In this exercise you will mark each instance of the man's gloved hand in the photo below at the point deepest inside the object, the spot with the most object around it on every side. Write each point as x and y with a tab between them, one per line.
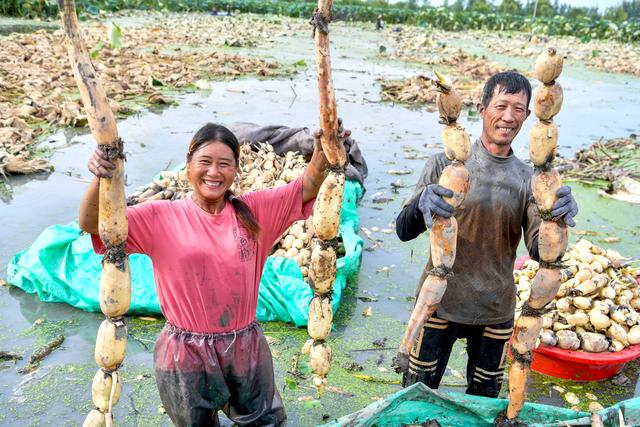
565	207
432	202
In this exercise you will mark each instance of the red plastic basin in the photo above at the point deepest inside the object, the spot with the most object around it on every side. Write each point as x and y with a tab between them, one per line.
580	365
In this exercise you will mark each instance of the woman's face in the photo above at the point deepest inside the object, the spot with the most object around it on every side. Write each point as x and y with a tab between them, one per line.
211	171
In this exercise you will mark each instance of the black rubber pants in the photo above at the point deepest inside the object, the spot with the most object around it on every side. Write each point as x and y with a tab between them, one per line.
486	347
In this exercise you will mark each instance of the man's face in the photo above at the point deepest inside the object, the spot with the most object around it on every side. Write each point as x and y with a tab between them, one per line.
503	117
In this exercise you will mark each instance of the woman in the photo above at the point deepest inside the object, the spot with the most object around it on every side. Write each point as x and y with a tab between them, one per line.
208	252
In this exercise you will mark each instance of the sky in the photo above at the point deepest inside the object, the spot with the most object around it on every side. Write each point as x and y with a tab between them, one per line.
601	4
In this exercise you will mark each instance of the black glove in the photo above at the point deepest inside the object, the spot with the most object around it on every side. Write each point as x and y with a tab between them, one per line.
431	202
565	207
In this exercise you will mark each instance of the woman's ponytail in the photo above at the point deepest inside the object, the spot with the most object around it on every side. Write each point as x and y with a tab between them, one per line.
244	213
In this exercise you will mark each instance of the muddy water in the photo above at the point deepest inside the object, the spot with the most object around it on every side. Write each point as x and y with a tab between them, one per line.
595	106
17	25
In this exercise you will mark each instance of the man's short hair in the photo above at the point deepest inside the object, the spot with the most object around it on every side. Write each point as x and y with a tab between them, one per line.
509	82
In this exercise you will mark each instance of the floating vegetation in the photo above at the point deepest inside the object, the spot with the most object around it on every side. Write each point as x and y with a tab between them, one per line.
136	65
612	165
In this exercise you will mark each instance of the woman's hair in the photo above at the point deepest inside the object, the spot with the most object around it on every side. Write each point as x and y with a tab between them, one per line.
212	132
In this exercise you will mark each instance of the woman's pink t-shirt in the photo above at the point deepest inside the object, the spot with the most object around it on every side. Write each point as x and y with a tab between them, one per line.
206	266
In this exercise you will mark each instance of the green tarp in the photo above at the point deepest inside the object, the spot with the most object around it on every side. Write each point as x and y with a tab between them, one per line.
60	266
418	403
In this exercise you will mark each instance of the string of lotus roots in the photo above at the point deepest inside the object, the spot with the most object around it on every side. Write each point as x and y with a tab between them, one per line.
115	280
444	232
326	210
553	235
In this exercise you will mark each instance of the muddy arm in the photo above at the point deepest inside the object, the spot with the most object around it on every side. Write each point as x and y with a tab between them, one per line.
101	167
315	172
89	208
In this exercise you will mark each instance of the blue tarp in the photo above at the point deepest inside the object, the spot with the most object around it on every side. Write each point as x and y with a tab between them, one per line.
418	403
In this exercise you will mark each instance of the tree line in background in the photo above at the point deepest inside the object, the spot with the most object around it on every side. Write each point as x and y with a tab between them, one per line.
544	8
551	18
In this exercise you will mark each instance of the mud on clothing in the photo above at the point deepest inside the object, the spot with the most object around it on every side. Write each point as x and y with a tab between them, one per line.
495	214
206	266
199	374
207	269
486	348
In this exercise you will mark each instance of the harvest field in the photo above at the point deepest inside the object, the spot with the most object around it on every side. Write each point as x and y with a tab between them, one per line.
169	73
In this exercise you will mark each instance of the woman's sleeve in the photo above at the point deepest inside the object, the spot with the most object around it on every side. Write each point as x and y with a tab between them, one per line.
277	208
141	223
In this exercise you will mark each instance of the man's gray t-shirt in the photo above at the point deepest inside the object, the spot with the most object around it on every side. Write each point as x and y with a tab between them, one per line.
493	217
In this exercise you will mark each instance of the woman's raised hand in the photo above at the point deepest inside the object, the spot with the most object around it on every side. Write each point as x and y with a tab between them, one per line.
100	165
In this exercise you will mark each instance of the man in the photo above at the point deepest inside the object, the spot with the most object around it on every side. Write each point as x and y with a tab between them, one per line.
480	298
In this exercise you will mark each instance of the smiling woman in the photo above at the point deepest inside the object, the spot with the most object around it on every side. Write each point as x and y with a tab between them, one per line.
208	252
211	168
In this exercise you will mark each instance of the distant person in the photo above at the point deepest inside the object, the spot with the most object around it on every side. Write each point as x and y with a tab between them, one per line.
215	12
534	39
496	214
379	23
